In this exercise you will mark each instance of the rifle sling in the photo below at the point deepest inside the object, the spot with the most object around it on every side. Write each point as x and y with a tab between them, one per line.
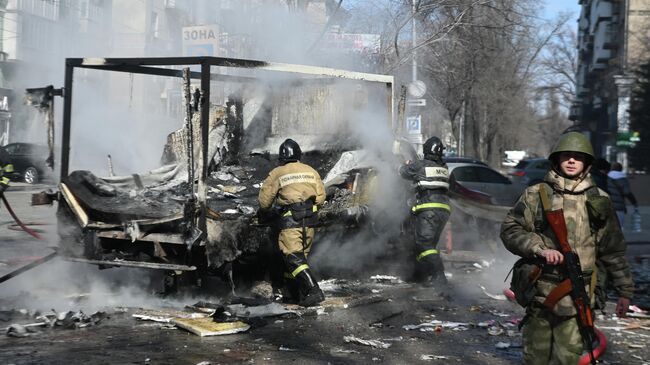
565	286
555	219
560	291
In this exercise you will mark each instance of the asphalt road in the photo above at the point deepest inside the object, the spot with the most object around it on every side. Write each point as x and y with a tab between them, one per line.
311	339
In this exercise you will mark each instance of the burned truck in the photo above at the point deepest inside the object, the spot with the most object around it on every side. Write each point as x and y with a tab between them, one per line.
196	214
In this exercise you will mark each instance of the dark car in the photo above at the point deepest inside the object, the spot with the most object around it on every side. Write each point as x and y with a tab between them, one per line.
480	182
530	171
28	160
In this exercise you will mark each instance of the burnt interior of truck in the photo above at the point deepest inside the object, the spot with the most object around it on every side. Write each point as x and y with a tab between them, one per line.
196	214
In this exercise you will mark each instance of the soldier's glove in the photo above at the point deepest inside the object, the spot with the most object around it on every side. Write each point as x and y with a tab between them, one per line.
621	307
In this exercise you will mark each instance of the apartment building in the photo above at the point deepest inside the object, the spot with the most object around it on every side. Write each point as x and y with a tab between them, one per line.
612	39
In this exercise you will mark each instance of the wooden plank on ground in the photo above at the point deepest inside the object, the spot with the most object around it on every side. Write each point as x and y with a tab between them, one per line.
208	327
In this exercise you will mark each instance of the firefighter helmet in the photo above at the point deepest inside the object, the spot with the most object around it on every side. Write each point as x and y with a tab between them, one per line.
573	142
289	151
433	148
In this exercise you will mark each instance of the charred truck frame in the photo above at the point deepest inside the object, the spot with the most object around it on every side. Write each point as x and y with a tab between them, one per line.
134	221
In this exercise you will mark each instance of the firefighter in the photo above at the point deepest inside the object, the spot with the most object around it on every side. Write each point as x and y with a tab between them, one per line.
294	190
431	210
5	169
551	333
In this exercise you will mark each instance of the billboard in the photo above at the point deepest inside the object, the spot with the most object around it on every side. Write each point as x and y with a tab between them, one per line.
201	40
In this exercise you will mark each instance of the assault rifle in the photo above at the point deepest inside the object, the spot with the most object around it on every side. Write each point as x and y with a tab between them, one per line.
574	285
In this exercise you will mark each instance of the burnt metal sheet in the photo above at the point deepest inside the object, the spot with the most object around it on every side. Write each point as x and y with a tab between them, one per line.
151	237
141	264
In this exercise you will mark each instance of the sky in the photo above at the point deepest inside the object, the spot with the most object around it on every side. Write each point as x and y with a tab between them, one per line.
553	7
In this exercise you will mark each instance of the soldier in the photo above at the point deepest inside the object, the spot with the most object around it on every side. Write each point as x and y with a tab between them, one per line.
431	179
5	168
294	190
550	328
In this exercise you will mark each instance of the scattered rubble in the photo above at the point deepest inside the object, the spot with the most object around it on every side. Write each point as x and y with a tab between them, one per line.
437	326
373	343
433	357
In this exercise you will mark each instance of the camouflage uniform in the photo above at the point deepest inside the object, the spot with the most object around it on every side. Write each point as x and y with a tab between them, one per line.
553	335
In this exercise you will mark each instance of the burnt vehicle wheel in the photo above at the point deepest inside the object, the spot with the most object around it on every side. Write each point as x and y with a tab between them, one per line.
30	175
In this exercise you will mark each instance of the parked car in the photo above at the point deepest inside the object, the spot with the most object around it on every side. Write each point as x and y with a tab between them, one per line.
530	171
28	160
484	183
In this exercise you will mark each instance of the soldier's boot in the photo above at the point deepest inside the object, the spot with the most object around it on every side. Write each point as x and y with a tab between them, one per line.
310	293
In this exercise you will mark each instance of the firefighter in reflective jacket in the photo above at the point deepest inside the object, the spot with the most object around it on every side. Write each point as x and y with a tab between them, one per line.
294	190
431	179
5	169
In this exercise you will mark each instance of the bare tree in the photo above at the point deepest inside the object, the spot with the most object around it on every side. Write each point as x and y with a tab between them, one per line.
484	62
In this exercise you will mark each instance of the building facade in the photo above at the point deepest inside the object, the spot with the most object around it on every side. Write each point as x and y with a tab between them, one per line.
612	39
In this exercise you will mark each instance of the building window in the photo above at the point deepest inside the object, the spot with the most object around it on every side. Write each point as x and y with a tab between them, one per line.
83	9
155	25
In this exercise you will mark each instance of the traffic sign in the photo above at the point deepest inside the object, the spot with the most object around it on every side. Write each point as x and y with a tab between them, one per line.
416	102
414	124
417	89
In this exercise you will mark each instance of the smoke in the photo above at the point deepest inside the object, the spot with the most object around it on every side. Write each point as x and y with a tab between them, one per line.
63	286
127	116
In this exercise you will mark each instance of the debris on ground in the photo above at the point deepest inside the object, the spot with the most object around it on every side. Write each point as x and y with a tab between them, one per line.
165	315
502	345
268	310
436	325
386	279
373	343
70	320
284	348
493	296
208	327
433	357
17	330
343	351
495	331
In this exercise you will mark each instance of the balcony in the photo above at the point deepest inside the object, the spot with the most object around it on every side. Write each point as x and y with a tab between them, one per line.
610	37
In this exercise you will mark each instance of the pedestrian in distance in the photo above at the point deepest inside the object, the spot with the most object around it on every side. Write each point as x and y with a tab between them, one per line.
599	173
619	190
566	231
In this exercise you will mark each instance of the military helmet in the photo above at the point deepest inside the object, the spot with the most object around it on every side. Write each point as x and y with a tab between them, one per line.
433	147
573	142
289	151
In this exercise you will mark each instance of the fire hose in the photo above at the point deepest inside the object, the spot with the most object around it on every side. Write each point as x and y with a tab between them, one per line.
18	221
585	359
32	264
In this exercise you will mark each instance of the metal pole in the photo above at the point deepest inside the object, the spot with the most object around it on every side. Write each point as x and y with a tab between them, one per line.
190	129
414	35
67	112
204	103
461	131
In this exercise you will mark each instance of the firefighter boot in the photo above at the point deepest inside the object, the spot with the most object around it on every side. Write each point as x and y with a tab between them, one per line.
309	291
438	277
